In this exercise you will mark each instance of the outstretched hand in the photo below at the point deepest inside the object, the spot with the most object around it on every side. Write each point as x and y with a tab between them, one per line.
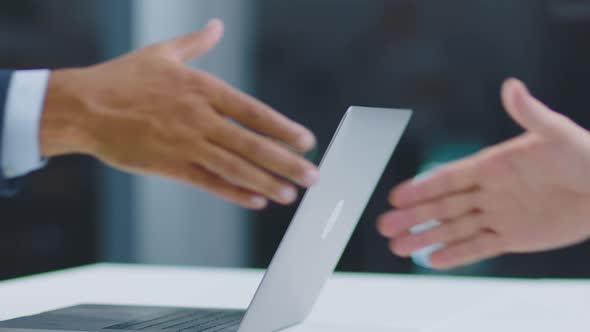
147	112
531	193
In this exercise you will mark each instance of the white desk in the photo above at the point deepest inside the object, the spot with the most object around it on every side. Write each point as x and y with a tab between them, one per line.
352	300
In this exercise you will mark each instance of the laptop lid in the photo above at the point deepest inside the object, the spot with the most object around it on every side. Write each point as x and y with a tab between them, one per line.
326	218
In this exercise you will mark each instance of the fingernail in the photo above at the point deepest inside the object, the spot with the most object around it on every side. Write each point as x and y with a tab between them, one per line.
288	195
209	25
310	177
423	257
383	227
306	142
212	22
258	202
425	226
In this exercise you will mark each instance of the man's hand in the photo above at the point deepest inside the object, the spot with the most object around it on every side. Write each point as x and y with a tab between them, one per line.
529	194
147	112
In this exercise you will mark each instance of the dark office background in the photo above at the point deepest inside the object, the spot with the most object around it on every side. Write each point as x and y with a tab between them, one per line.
314	58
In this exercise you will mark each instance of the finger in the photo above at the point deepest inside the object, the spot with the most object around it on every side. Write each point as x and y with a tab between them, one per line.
265	153
394	223
531	113
449	232
256	115
195	44
482	246
453	178
238	171
212	183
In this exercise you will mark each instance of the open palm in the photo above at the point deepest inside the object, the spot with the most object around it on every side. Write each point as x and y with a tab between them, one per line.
528	194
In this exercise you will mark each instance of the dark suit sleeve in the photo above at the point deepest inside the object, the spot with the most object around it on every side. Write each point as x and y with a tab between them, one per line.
8	187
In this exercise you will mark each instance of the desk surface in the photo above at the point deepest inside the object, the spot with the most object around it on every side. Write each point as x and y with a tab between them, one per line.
354	300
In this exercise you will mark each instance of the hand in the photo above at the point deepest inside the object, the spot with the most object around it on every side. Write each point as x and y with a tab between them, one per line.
147	112
529	194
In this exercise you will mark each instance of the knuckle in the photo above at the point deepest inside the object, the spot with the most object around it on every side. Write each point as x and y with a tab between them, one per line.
191	104
260	181
235	168
464	202
226	96
421	214
465	228
198	81
273	186
500	163
296	168
410	217
440	209
255	147
199	180
475	201
436	235
171	141
251	112
450	232
213	128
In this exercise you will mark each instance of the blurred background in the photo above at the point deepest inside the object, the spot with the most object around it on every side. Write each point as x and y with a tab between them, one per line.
310	59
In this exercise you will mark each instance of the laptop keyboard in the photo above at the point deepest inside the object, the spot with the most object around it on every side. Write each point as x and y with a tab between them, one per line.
187	320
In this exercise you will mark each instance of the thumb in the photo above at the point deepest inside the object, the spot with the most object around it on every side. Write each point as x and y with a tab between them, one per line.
197	43
530	113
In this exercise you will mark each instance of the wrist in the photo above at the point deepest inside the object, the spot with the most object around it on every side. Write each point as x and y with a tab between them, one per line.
63	120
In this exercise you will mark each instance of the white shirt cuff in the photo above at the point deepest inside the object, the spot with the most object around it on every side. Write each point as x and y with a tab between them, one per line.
22	117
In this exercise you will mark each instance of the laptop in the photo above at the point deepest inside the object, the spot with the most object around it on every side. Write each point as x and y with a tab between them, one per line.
303	263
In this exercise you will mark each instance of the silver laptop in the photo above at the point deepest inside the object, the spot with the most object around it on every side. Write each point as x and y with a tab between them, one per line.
304	261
